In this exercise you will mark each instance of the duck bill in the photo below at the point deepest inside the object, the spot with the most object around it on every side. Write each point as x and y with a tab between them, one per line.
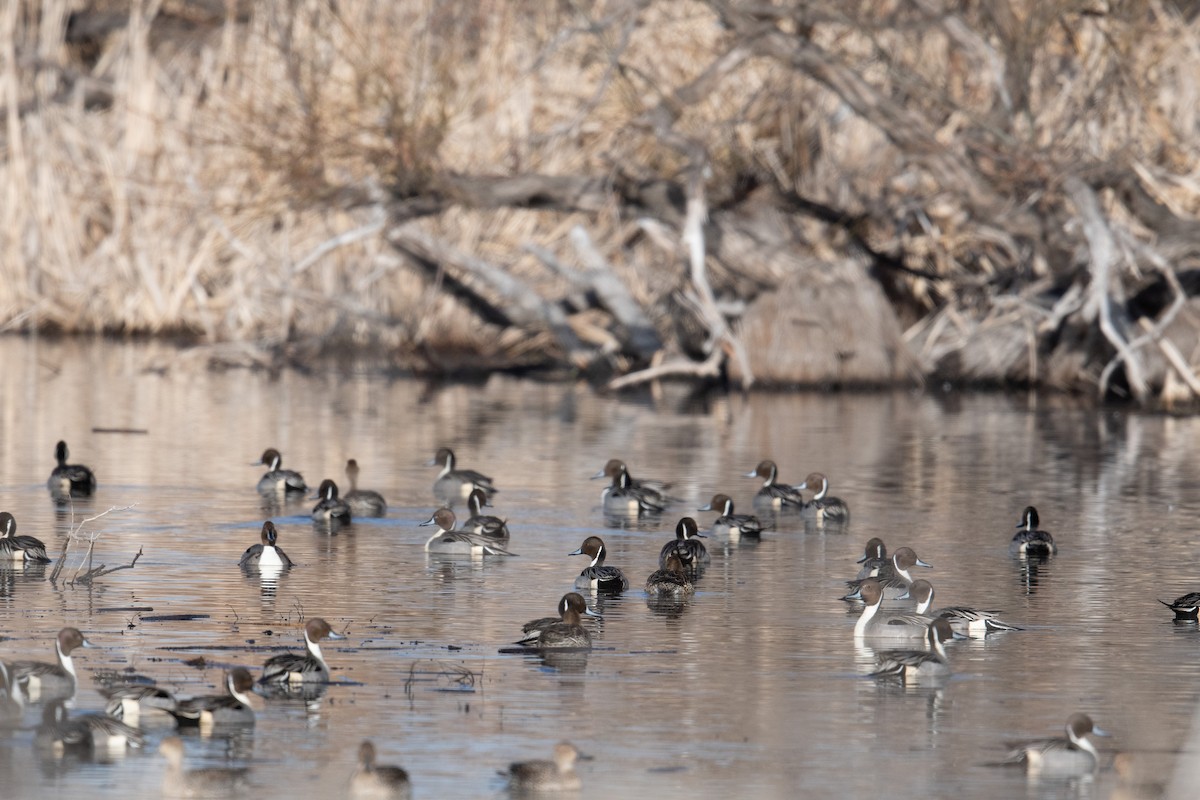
861	559
706	508
333	635
921	563
431	521
86	643
578	552
599	474
589	613
906	596
960	636
751	474
855	595
1100	731
698	535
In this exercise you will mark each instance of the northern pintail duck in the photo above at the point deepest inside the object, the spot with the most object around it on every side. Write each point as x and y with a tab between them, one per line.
670	581
217	710
330	508
654	490
19	548
61	733
372	781
734	525
686	546
278	480
137	703
773	494
267	554
822	507
623	497
308	666
893	627
912	666
205	782
39	680
1073	754
69	480
903	560
482	524
1186	607
571	609
1029	541
962	619
547	776
449	541
597	576
453	484
363	502
875	561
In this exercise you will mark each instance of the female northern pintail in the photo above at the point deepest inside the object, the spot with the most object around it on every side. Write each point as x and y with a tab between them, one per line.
60	733
686	546
372	781
330	508
822	507
1029	541
773	494
623	497
449	541
654	490
19	548
40	680
903	560
875	561
482	524
204	782
916	665
893	627
456	484
302	667
1186	607
735	525
547	776
137	703
961	618
596	576
278	480
1073	754
571	609
670	581
267	554
363	502
231	708
69	480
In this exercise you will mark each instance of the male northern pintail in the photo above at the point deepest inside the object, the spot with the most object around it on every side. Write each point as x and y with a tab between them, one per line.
278	480
686	546
735	525
137	703
670	581
481	524
204	782
19	548
571	609
773	494
267	554
875	561
450	541
216	710
1186	607
547	776
1029	541
363	502
903	560
916	665
39	680
69	480
1073	754
61	733
962	618
823	507
623	497
373	781
330	508
453	484
654	490
302	667
892	627
596	576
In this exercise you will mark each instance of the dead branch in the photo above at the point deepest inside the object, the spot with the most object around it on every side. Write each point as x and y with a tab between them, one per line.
708	368
86	578
640	336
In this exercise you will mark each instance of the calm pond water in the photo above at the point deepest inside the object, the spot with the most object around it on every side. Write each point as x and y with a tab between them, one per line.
753	688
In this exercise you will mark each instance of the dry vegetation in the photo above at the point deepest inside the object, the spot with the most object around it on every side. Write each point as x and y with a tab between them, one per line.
798	192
